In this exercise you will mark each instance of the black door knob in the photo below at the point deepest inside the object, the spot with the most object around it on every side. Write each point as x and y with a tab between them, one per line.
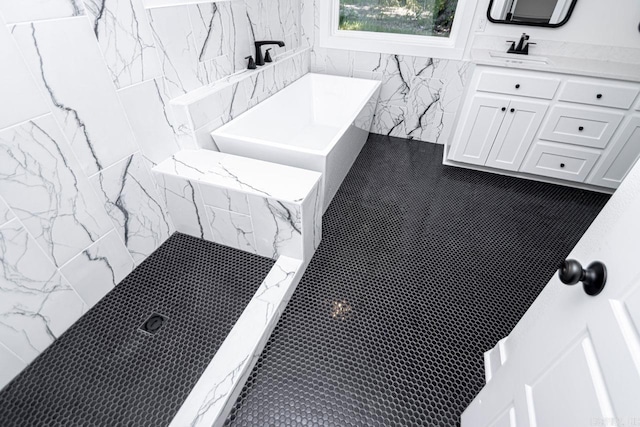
593	278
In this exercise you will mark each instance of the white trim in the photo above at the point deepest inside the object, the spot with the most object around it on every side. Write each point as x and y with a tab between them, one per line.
451	47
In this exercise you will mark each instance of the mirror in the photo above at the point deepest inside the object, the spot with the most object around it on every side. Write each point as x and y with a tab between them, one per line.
541	13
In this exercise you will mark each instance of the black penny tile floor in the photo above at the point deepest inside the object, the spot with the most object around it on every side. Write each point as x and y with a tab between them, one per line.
422	268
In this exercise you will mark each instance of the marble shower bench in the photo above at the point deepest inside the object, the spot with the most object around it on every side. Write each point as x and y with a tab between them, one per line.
258	207
255	206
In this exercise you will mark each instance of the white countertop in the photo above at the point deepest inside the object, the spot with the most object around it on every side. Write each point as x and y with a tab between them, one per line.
565	65
610	62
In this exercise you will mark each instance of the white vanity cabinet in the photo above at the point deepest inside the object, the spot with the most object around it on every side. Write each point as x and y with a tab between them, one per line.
555	126
499	131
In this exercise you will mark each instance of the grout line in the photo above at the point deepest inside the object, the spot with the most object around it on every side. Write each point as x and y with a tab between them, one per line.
14	354
22	123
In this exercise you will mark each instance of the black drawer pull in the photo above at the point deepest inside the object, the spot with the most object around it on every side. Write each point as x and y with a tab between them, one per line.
581	128
561	165
518	86
513	110
599	96
504	108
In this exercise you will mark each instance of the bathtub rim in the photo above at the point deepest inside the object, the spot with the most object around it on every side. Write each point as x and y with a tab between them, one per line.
221	131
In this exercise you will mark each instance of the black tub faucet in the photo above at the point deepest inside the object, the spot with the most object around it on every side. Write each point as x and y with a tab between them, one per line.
259	57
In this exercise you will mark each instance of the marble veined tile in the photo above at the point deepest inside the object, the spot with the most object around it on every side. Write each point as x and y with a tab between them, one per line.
11	365
178	52
123	32
275	20
137	210
184	201
212	25
231	229
68	66
277	227
240	44
152	120
225	198
16	84
41	180
5	213
37	303
99	268
34	10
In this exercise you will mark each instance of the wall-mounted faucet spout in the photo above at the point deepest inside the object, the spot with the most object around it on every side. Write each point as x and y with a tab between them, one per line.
259	57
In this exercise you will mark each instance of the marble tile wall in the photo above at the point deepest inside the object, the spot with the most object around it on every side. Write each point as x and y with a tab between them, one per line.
419	95
86	87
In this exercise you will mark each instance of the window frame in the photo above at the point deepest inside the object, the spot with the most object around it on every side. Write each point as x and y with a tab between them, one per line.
451	47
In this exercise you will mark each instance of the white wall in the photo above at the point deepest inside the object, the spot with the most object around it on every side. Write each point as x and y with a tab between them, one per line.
608	23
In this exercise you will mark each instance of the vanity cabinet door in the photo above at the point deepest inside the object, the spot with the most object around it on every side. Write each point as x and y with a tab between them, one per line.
480	124
625	151
519	128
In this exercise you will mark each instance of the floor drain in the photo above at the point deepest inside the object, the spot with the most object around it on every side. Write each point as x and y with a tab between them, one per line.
153	324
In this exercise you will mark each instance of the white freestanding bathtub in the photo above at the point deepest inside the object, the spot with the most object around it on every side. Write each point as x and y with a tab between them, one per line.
319	122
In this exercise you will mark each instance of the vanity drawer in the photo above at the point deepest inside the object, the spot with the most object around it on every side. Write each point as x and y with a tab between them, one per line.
616	95
581	126
560	161
518	84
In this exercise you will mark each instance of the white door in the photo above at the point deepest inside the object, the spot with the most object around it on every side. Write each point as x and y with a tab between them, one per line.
516	134
481	125
574	359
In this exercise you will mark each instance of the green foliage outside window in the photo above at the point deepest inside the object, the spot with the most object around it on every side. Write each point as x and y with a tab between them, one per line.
417	17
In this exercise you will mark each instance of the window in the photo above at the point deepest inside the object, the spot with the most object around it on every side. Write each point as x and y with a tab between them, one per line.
417	17
436	28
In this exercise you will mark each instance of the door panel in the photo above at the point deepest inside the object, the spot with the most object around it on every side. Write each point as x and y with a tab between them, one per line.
574	359
480	129
506	419
624	153
516	134
571	392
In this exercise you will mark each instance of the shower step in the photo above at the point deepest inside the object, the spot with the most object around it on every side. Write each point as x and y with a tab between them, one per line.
252	205
183	328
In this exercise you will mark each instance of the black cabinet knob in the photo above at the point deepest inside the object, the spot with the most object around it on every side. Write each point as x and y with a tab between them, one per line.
504	108
561	165
593	278
599	96
513	110
581	128
518	86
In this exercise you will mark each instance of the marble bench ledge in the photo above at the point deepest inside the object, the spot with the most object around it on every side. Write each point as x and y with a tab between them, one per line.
207	90
213	396
255	206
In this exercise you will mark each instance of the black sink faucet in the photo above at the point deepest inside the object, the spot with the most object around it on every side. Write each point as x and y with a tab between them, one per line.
523	45
259	57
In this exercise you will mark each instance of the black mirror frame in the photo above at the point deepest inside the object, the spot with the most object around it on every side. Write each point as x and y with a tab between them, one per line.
532	24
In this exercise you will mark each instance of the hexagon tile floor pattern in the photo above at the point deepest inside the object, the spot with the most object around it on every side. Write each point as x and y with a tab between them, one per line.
104	371
422	268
